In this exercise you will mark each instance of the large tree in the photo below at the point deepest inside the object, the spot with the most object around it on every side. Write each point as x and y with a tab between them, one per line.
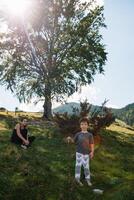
53	51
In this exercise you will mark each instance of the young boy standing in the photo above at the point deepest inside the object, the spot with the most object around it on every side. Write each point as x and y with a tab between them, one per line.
84	151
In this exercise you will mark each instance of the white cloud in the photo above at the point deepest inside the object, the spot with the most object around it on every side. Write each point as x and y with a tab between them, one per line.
31	107
109	105
3	27
7	100
100	2
87	92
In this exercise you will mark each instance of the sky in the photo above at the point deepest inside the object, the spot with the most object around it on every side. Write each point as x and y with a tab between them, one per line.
117	83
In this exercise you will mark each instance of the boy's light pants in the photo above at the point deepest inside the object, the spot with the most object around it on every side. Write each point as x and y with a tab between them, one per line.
82	159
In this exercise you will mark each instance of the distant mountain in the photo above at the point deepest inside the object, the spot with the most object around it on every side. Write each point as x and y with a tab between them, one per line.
68	107
125	114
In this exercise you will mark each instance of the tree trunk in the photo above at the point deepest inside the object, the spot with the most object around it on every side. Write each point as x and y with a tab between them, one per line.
47	114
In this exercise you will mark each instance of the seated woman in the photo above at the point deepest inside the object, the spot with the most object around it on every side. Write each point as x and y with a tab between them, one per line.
20	135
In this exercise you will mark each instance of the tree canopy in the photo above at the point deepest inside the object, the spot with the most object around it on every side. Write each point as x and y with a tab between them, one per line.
53	50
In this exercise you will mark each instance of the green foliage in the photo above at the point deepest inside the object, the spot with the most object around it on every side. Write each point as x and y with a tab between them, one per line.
66	50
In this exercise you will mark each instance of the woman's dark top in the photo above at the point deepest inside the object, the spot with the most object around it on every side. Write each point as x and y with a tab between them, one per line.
15	138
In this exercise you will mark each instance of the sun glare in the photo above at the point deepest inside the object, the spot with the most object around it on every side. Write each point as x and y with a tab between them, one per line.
16	7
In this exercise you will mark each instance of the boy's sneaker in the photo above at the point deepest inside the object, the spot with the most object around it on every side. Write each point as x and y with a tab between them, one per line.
79	182
89	183
23	146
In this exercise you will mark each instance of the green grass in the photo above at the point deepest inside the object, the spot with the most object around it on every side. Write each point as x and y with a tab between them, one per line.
46	170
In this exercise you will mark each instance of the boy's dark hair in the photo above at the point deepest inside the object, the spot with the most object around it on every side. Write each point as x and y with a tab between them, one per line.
84	119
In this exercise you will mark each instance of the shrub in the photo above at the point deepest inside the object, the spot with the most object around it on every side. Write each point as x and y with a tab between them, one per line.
99	118
2	109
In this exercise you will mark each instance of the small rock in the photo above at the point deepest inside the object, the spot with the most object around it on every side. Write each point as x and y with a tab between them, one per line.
98	191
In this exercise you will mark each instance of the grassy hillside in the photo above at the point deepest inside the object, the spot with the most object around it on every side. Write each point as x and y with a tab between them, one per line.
126	114
46	170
